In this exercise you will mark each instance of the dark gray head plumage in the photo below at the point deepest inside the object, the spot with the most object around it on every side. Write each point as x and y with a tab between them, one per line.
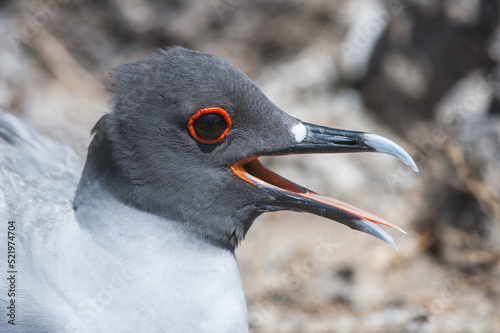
144	155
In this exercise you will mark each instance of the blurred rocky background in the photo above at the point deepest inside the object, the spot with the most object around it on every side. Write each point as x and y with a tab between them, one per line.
422	72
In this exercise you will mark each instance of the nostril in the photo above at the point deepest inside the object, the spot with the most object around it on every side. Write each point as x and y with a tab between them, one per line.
349	143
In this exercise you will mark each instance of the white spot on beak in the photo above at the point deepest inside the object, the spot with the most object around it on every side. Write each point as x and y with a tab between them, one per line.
299	131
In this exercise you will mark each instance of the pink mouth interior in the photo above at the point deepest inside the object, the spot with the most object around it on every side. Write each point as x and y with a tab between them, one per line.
253	172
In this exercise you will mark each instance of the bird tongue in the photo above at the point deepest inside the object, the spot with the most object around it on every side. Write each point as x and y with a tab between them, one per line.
291	196
350	209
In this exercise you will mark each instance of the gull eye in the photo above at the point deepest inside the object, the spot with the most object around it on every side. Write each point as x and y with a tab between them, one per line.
209	125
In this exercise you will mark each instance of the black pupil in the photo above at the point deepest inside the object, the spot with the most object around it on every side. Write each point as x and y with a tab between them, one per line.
210	126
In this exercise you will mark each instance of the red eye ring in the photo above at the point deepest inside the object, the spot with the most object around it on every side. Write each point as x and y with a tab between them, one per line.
199	113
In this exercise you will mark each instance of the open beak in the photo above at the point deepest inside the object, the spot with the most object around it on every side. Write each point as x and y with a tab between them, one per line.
291	196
